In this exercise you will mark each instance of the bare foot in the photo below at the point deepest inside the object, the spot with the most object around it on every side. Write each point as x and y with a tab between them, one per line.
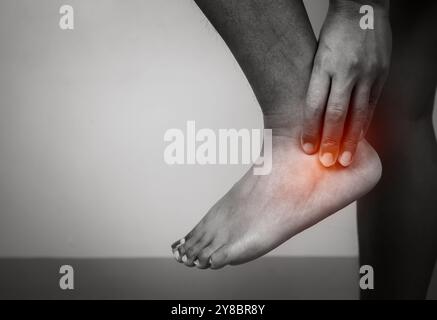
261	212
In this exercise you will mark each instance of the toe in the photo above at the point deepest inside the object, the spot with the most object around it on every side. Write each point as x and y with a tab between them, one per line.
182	253
190	240
175	246
177	255
186	261
203	257
220	258
186	253
196	233
193	251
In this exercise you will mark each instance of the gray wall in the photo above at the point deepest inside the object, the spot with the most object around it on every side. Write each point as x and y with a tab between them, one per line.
82	119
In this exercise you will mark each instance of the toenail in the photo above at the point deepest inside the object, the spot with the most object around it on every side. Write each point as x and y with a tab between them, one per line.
346	158
327	159
178	244
184	258
196	262
308	147
176	255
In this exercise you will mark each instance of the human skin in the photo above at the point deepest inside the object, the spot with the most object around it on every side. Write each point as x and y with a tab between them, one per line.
274	45
349	70
397	220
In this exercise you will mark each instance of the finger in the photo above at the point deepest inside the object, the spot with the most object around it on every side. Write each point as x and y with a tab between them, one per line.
335	116
358	113
314	109
375	94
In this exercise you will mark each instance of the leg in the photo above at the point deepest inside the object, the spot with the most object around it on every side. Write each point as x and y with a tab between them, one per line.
274	45
397	221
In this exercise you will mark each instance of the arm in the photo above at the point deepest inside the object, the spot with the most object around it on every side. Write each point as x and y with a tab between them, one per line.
349	70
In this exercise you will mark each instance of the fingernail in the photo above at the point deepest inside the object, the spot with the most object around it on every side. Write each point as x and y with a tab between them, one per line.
184	258
327	159
308	147
346	158
176	255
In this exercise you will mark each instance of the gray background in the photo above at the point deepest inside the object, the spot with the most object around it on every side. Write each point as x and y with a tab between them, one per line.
82	119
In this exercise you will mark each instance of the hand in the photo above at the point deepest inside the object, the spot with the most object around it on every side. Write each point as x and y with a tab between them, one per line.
349	71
